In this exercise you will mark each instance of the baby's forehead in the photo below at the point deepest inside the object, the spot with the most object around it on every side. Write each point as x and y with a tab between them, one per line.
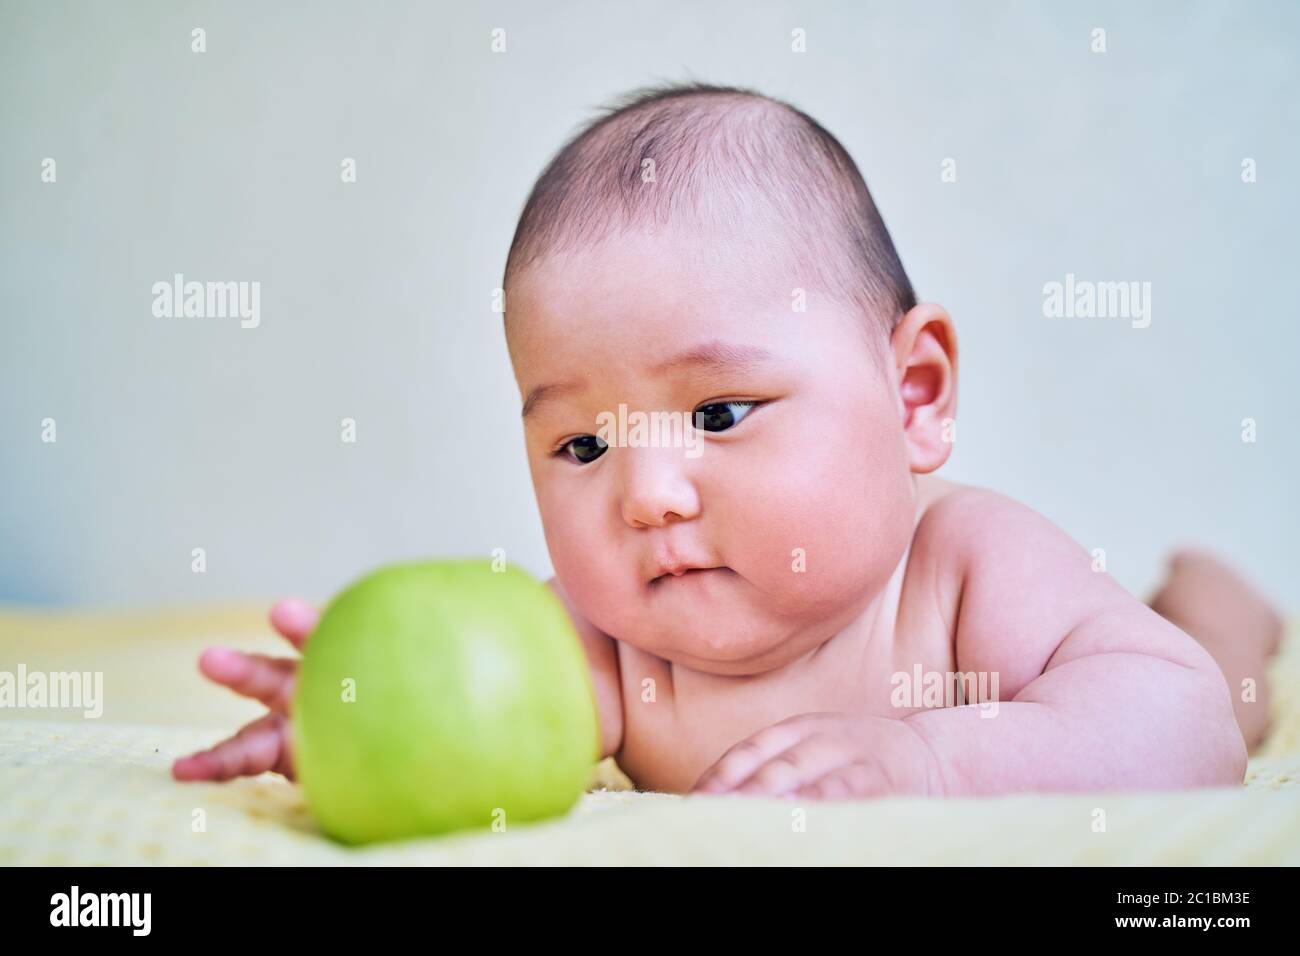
623	309
680	271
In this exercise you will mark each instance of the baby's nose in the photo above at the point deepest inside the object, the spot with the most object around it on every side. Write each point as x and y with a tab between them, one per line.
657	487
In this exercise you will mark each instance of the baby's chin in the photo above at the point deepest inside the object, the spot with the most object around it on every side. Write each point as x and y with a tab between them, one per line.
728	651
707	620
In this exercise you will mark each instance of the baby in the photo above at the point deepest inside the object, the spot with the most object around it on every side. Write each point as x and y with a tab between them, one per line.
785	600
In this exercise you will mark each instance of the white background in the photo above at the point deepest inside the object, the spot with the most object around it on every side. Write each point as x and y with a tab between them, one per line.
376	296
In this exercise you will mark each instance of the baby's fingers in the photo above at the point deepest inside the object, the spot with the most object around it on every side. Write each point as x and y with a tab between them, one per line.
260	746
738	763
268	679
799	766
295	620
858	779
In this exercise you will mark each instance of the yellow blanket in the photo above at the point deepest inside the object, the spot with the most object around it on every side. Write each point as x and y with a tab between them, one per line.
78	791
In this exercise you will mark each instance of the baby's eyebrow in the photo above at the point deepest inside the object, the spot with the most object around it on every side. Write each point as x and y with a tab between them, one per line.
546	393
715	356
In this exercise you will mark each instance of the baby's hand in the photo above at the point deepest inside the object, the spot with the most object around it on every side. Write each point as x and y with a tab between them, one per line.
263	744
827	756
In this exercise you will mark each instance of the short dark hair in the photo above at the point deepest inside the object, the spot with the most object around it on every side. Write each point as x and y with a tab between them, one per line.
762	155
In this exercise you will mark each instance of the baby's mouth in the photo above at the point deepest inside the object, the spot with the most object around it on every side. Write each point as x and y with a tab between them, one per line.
686	573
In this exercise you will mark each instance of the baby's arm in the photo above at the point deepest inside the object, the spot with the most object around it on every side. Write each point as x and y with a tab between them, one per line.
1098	691
602	659
1095	690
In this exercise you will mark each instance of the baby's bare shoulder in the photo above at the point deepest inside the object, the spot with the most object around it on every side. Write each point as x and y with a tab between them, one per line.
1022	584
964	515
976	529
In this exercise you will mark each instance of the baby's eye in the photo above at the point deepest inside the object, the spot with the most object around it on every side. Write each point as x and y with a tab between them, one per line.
584	449
719	416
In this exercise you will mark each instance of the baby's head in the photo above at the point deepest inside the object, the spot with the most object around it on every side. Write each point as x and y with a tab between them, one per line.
716	254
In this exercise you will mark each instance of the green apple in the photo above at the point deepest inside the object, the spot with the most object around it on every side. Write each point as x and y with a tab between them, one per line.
438	696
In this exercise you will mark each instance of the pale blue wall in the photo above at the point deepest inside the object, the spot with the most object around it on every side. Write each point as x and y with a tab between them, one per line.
174	434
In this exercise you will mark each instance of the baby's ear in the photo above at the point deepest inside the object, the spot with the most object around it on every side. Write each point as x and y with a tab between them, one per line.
924	347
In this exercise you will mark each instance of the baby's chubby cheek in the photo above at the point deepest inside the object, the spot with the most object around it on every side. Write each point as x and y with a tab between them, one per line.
821	530
593	552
